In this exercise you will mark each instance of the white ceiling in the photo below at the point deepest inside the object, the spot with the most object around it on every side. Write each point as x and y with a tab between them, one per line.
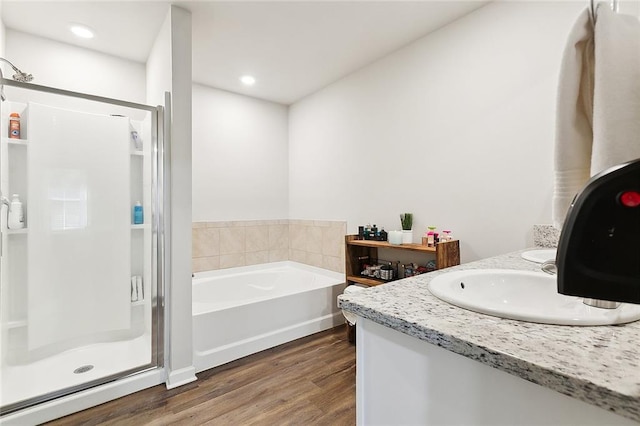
291	48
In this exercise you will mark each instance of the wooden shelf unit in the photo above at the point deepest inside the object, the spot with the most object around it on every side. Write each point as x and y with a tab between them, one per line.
446	254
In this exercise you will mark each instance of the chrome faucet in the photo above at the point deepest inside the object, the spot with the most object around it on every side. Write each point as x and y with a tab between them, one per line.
550	268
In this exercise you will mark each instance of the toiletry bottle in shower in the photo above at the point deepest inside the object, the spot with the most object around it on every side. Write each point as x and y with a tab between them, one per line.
16	215
138	214
14	125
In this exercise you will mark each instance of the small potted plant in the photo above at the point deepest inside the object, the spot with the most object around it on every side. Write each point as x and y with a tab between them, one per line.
406	220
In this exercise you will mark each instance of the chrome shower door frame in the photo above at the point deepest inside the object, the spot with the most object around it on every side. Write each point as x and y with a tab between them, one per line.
159	237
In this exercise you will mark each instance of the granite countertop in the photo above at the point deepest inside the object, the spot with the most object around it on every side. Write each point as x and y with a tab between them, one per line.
598	365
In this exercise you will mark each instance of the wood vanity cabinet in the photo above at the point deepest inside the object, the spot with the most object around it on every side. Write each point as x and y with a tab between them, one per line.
446	254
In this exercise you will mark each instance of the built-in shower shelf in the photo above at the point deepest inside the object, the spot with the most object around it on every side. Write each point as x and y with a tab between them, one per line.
17	231
16	324
141	226
138	303
138	153
12	141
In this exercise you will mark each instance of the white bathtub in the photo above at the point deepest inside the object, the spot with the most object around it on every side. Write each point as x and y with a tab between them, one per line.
241	311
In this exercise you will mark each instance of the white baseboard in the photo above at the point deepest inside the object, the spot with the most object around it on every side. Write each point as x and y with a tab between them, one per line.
181	377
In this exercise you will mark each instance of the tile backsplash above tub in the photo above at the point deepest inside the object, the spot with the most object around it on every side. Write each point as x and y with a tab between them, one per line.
220	245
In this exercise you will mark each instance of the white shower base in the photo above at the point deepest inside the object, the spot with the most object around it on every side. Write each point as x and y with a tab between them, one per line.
21	382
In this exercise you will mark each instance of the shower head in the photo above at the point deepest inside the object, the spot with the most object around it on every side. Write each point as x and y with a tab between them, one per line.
22	77
19	75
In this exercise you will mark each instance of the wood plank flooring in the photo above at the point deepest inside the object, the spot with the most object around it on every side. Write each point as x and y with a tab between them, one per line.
310	381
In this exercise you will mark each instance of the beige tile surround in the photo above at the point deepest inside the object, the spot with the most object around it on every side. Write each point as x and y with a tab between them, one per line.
220	245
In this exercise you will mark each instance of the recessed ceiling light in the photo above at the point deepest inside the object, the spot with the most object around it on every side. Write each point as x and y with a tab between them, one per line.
248	80
81	31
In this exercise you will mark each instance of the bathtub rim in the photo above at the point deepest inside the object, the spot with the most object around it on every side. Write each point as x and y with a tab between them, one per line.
199	307
239	270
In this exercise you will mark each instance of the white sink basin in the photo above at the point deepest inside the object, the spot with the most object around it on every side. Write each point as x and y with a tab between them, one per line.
524	296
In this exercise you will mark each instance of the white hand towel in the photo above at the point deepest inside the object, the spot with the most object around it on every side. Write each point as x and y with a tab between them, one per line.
573	117
598	105
616	100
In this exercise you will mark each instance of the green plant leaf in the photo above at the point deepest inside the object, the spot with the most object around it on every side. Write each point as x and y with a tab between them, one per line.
406	220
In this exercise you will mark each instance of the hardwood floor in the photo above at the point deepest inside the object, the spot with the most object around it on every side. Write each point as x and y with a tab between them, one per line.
310	381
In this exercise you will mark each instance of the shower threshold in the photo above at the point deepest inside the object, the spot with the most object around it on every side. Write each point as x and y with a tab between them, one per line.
71	368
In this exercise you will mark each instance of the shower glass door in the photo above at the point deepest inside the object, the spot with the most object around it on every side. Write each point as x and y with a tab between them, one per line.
80	275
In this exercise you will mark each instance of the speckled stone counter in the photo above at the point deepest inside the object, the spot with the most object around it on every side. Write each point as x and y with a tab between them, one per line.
545	236
598	365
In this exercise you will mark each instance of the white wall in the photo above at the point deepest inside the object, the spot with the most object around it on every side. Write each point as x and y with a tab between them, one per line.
74	68
3	34
240	157
158	67
169	69
457	128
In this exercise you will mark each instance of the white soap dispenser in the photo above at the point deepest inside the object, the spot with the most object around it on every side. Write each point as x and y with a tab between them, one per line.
16	215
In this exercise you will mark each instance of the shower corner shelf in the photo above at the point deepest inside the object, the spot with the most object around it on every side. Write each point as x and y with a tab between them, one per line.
16	324
17	231
140	226
138	153
11	141
139	302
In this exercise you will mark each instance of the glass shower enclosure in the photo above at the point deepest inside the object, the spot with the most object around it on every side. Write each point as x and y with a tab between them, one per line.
81	275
